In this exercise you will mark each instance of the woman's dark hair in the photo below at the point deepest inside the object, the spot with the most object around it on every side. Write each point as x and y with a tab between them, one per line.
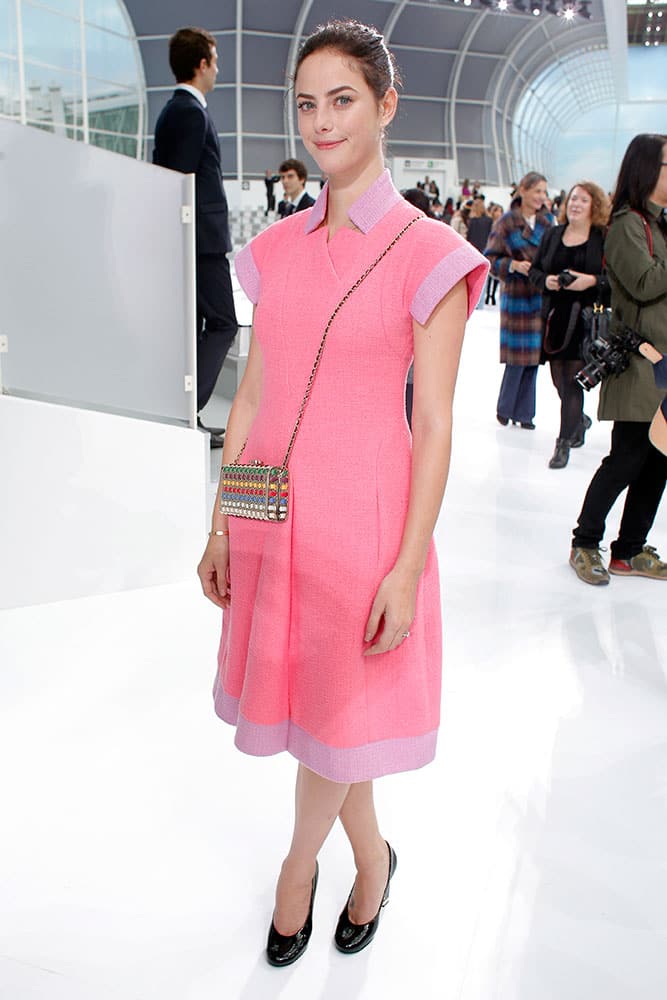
528	181
187	48
639	172
419	199
531	180
360	42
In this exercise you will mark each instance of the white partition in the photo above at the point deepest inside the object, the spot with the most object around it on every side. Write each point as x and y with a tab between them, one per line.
97	293
92	503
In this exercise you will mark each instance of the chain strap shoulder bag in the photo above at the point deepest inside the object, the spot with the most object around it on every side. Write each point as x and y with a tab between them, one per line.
260	491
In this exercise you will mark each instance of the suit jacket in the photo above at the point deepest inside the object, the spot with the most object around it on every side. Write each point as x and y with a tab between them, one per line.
186	140
305	201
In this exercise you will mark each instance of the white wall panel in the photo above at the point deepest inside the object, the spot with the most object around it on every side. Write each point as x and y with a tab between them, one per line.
92	503
96	277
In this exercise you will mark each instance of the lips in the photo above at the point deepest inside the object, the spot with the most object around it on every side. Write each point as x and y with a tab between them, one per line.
330	144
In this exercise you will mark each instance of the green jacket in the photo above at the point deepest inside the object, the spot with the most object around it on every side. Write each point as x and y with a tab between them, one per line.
637	279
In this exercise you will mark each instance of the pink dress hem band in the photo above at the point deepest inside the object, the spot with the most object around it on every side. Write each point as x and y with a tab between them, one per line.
342	764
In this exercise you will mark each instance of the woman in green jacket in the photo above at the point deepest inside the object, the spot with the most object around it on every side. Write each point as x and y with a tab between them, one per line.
636	258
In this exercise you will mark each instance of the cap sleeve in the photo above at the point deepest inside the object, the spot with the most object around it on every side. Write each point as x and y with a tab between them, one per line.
441	259
249	261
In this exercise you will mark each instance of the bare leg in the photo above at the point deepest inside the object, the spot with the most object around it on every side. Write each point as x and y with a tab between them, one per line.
318	802
370	852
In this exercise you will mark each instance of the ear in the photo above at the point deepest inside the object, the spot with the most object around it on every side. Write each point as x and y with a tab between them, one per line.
388	106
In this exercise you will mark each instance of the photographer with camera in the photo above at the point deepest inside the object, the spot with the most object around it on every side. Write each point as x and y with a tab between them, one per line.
636	258
568	271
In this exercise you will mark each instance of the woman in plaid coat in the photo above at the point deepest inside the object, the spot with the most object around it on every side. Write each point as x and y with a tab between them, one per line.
512	247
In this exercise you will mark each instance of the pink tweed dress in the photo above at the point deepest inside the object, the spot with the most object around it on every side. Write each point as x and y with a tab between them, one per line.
291	671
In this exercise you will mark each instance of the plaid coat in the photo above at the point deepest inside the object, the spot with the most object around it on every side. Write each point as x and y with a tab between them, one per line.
520	301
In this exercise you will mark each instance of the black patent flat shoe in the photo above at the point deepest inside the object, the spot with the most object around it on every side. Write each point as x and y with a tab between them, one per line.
283	949
351	938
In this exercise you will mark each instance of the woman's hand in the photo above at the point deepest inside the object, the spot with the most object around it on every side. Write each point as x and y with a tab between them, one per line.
650	353
394	609
520	266
582	282
213	571
552	282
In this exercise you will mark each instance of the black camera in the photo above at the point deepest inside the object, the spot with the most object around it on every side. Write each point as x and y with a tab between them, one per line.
607	355
565	278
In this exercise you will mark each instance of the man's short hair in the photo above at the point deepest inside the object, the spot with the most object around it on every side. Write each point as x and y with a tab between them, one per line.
297	166
187	48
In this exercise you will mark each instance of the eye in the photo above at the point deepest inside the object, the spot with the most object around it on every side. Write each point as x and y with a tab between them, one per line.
305	105
343	99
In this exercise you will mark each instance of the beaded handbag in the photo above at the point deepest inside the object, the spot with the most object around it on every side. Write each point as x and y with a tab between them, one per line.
261	491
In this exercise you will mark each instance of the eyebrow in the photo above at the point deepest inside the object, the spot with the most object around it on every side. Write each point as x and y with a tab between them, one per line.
331	93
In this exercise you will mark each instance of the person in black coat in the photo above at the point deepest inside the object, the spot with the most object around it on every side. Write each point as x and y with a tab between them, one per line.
568	270
186	140
269	180
479	227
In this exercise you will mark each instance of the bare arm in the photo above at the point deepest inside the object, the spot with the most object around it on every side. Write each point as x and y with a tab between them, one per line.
437	352
649	352
214	563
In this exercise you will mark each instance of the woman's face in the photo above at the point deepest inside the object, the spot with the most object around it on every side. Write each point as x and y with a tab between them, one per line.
659	195
340	119
579	205
533	198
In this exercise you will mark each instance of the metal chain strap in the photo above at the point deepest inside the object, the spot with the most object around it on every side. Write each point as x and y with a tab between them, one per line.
340	305
320	349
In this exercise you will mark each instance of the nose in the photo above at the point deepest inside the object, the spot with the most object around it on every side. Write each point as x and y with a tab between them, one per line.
323	119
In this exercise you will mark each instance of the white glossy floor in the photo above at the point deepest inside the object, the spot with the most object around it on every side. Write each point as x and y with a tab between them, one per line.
138	848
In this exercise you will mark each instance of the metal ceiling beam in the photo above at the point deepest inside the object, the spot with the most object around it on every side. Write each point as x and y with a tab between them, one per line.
455	76
295	45
616	25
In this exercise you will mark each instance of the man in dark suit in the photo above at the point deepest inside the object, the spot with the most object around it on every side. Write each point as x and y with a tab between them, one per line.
294	175
269	180
186	140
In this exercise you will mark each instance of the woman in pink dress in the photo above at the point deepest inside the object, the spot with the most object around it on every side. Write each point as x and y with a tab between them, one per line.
331	640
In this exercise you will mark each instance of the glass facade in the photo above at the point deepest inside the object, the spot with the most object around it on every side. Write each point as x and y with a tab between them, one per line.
571	126
553	106
73	67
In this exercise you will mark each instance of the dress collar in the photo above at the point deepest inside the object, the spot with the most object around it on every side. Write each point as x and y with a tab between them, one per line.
367	210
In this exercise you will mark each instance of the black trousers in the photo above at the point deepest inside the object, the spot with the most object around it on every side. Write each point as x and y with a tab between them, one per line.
216	321
634	463
491	288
